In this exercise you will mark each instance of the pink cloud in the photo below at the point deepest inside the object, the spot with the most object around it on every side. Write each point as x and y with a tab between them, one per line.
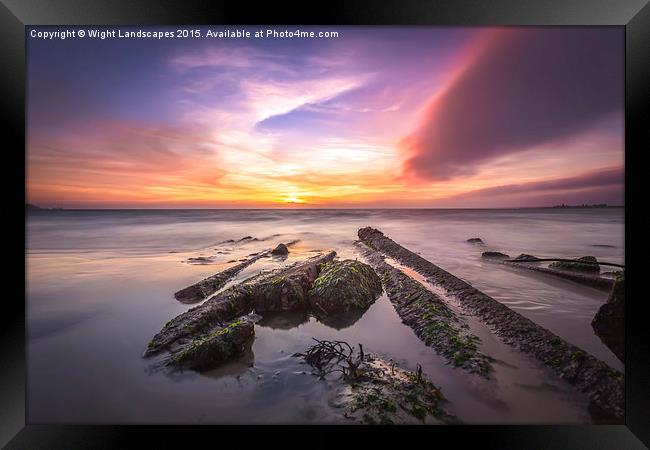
524	88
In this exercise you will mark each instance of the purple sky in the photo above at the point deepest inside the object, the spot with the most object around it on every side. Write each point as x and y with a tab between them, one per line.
378	117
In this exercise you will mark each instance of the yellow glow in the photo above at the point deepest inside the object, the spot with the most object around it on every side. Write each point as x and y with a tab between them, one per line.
292	198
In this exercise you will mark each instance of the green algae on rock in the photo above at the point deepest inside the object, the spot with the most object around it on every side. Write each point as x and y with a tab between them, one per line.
344	285
214	348
602	384
280	289
429	316
375	391
386	394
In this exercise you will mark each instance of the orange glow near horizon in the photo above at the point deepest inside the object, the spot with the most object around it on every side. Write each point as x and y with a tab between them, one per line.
352	123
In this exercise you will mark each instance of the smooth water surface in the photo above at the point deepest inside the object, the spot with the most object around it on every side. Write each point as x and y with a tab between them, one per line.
100	284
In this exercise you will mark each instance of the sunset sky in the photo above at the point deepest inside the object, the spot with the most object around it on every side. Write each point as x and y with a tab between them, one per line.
379	117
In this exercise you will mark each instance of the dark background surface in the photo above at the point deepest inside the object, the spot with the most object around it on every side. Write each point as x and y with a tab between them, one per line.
14	14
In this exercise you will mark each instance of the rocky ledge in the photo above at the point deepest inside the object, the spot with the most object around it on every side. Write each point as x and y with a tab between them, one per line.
603	385
429	316
589	278
583	264
221	344
208	286
215	331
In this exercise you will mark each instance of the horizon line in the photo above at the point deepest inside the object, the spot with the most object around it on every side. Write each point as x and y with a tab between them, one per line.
593	206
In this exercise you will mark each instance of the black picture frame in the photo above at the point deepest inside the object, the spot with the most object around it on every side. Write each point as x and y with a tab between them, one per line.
634	15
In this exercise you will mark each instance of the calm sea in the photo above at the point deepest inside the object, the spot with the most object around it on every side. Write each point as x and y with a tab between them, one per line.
100	284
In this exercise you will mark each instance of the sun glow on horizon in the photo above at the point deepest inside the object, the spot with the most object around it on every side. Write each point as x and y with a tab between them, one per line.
377	118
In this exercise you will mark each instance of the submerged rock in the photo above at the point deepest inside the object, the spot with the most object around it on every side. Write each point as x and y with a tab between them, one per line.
344	285
208	286
201	260
475	240
609	321
523	257
495	255
280	250
592	279
220	345
578	265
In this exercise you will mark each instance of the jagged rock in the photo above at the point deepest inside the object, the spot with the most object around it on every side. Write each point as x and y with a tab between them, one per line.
609	322
280	250
430	317
288	290
344	285
208	286
577	266
495	255
602	384
220	345
475	240
278	290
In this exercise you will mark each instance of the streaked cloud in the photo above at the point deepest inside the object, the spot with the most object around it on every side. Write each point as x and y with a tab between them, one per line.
382	117
523	87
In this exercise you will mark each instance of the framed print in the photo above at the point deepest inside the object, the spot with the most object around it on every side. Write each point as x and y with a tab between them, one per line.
356	217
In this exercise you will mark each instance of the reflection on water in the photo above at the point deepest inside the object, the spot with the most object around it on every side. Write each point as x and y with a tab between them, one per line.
100	284
284	321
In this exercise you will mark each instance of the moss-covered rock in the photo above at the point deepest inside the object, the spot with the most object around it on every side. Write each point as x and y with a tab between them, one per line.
373	390
217	347
278	290
577	265
430	317
384	394
603	385
344	285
